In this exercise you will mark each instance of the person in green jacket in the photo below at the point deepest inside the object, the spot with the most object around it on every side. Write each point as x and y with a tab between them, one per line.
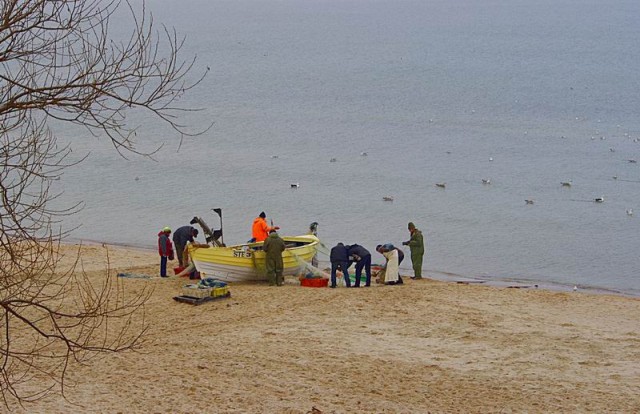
416	244
273	247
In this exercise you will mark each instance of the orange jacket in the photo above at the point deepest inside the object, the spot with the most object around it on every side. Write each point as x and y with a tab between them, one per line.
260	230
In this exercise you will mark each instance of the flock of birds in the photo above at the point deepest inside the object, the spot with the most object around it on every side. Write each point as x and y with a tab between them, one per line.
568	183
487	181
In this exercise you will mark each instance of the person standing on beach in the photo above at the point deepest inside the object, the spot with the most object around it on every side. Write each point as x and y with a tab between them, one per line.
181	237
273	247
339	257
362	258
313	230
165	249
260	230
390	275
416	244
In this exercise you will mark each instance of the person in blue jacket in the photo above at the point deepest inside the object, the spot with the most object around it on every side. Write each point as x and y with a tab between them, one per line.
362	258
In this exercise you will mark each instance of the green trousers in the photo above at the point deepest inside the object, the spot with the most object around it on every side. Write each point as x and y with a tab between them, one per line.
274	272
416	261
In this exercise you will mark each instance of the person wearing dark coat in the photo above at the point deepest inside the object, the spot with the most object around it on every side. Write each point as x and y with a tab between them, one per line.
273	247
340	260
181	237
362	258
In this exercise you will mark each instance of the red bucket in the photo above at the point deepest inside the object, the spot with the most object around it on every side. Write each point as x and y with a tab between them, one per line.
177	269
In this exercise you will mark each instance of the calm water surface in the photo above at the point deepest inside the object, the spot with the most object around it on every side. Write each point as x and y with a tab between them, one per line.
526	94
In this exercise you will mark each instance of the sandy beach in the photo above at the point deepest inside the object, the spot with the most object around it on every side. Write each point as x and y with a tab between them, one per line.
426	346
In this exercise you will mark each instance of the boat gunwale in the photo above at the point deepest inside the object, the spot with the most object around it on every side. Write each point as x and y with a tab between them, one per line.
308	239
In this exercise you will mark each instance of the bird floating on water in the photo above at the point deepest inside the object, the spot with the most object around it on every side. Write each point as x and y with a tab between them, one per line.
387	198
615	177
486	181
274	156
441	185
632	161
295	185
333	160
490	158
629	212
599	199
566	183
364	154
528	201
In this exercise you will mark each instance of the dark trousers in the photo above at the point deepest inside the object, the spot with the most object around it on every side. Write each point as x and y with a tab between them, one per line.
344	267
163	266
364	262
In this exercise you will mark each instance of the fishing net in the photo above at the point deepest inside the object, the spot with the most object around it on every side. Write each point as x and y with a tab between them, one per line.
306	268
260	266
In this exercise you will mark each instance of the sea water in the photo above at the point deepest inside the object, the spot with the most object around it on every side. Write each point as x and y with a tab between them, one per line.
401	95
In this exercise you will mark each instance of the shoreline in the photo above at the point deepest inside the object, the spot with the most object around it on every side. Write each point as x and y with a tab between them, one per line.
438	275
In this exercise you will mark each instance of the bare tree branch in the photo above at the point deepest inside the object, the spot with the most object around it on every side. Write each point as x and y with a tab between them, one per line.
58	62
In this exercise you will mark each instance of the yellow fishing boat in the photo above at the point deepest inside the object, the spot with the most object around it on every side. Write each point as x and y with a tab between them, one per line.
246	262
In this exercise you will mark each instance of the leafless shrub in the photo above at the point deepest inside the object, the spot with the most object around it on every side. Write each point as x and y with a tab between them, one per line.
58	63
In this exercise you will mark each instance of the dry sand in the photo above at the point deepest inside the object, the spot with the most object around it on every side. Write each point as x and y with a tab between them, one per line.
426	346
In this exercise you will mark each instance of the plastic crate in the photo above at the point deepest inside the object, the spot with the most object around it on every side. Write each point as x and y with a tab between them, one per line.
194	291
219	291
314	282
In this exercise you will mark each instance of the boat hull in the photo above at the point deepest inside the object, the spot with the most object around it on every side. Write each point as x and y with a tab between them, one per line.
247	262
